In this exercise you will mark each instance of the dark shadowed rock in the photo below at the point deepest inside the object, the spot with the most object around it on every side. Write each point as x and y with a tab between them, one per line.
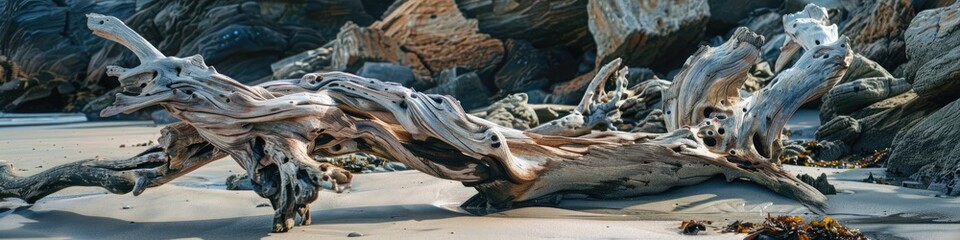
920	5
820	183
570	92
555	23
832	150
388	72
647	33
465	87
525	68
766	22
637	75
939	79
726	15
44	50
240	181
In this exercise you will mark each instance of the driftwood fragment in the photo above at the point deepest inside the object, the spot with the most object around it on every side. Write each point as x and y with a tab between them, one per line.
805	30
273	129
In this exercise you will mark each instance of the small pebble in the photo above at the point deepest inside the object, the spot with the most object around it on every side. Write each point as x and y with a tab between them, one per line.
126	207
355	234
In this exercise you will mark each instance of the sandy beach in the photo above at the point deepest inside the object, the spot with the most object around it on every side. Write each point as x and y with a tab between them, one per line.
412	205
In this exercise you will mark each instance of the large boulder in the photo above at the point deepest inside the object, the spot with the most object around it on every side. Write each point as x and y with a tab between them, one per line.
931	34
932	140
525	68
876	28
357	45
939	79
647	33
441	36
546	24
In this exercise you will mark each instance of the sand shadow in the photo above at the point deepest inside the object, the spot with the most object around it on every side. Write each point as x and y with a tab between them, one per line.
67	224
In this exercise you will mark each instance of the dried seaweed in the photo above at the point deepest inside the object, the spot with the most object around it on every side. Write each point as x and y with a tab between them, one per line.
795	228
785	227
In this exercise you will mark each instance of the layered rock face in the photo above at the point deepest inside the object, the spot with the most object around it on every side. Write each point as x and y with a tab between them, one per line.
52	63
646	32
927	149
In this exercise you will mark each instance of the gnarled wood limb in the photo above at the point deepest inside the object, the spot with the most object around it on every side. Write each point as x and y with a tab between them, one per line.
181	150
746	132
710	80
597	107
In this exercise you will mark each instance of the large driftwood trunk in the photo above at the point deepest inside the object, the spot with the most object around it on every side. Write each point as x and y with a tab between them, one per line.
273	129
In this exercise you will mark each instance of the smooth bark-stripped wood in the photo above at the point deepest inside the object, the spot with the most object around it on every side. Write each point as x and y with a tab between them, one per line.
710	80
272	130
805	29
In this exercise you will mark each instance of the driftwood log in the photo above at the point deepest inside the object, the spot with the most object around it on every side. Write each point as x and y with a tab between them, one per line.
274	128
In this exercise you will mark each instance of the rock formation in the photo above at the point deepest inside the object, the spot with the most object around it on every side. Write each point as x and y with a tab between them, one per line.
646	32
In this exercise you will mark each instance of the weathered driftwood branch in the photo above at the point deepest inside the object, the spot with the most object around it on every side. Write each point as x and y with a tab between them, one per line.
272	130
181	150
805	29
597	107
